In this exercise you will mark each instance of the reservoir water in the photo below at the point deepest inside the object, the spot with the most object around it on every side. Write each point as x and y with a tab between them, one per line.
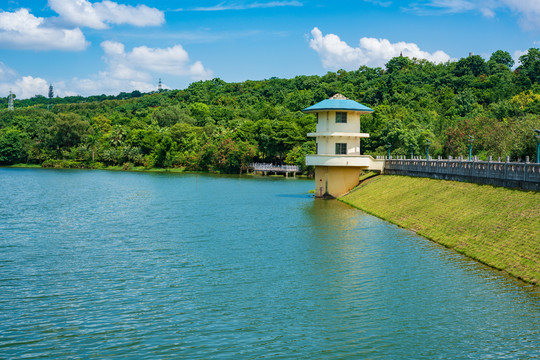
97	264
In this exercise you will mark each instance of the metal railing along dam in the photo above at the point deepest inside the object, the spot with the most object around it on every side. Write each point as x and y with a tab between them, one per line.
522	175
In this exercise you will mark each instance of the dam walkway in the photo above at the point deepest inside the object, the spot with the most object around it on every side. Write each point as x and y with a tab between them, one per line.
523	175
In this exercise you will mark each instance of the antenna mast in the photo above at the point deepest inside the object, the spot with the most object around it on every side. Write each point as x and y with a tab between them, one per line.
159	87
10	101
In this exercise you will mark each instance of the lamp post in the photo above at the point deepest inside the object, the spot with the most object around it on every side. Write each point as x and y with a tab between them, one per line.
412	151
537	137
389	146
471	140
427	148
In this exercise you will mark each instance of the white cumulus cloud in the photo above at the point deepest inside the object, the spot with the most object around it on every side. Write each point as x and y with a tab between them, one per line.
172	60
22	30
22	86
337	54
103	84
125	71
25	87
528	11
138	69
98	15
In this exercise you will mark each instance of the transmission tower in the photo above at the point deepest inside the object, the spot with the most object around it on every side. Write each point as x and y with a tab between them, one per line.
159	86
10	101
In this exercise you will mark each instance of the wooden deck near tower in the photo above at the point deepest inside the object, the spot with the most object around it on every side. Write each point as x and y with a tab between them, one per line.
265	169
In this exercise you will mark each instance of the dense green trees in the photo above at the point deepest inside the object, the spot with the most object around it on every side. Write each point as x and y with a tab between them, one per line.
530	65
218	126
13	146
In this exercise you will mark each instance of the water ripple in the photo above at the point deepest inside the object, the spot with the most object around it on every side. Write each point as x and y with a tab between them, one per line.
158	266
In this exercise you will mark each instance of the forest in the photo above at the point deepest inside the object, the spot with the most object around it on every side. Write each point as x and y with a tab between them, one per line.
222	127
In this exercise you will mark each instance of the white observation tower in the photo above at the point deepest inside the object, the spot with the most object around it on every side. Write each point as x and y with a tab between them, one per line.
338	161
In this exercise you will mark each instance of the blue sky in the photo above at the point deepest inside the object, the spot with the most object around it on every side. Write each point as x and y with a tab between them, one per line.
91	47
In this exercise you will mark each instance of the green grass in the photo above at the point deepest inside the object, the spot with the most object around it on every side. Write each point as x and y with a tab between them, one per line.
497	226
59	164
143	169
33	166
367	175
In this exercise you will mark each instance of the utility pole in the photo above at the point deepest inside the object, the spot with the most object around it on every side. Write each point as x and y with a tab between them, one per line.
537	137
471	140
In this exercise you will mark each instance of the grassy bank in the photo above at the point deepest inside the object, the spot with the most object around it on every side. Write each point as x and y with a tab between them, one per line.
496	226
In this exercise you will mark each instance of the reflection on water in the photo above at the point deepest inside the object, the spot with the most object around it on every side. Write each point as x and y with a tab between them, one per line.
127	265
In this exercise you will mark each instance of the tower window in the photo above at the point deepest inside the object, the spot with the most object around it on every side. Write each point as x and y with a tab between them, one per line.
341	149
341	117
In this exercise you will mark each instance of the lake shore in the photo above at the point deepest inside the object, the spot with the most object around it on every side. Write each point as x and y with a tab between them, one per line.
496	226
144	169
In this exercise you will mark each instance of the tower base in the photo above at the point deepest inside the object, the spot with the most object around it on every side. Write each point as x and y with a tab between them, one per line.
334	181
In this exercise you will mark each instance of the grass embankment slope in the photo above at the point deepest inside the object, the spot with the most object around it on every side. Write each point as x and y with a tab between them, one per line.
497	226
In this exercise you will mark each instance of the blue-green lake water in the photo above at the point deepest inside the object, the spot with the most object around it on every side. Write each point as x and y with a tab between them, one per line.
97	264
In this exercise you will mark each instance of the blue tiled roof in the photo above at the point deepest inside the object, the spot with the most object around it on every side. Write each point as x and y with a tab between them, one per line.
338	104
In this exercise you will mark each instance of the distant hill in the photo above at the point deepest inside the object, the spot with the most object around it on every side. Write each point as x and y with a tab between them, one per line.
217	126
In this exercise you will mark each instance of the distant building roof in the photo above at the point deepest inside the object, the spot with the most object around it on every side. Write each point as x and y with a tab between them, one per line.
338	102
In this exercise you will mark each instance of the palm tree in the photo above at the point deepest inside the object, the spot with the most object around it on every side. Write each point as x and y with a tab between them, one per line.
92	141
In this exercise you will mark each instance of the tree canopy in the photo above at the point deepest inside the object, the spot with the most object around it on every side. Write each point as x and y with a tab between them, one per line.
218	126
